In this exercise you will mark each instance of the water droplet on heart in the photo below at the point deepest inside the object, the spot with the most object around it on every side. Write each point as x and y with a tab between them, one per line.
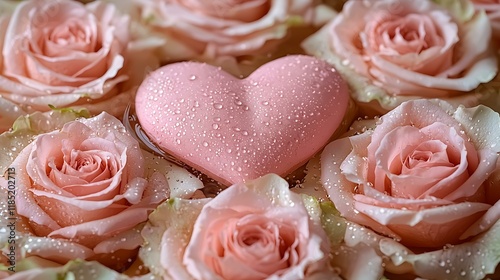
218	106
192	78
229	151
215	126
265	103
205	144
246	108
238	102
178	141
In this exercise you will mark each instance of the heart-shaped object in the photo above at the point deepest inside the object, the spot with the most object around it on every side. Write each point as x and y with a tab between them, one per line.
239	129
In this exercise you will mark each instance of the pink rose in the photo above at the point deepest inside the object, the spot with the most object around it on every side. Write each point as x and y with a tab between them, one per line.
391	51
64	53
426	174
224	32
85	190
492	9
253	230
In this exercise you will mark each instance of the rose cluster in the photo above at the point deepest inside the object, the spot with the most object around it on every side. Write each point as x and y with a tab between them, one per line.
408	186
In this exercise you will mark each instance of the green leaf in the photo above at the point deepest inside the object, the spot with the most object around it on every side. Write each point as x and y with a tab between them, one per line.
333	224
82	113
295	21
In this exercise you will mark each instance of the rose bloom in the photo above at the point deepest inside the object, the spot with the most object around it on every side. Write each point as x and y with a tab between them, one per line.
84	191
427	175
253	230
391	51
492	9
225	32
64	53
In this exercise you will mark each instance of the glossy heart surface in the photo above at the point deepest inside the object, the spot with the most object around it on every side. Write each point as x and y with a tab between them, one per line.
235	129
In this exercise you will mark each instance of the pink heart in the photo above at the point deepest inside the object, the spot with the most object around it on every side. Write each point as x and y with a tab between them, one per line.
239	129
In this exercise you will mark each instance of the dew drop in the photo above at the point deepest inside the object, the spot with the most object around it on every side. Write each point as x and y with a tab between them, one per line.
218	106
192	78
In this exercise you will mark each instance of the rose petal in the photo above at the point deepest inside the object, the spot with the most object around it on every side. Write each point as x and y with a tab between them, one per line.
55	249
167	232
358	262
311	185
120	222
474	259
131	193
485	222
439	215
339	189
125	240
182	184
382	199
25	203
